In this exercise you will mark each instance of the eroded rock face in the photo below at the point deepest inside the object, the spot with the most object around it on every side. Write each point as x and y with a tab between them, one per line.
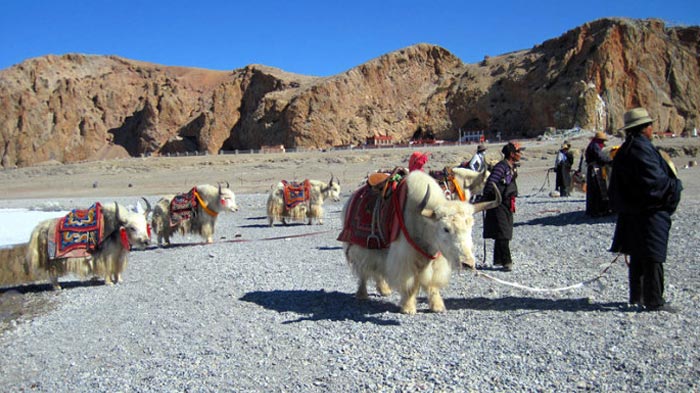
75	107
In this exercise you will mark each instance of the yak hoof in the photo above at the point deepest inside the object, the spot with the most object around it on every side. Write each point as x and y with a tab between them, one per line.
383	288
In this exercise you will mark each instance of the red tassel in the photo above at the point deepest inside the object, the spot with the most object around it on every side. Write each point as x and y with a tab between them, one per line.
148	230
124	238
223	202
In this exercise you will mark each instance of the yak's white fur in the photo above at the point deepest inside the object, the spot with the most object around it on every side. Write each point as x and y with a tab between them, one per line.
108	261
441	225
320	191
218	199
472	182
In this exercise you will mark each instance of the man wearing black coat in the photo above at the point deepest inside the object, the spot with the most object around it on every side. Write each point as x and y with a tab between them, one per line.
644	191
498	222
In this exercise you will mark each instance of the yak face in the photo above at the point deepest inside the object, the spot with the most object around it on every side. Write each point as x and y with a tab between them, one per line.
333	190
451	225
227	200
136	228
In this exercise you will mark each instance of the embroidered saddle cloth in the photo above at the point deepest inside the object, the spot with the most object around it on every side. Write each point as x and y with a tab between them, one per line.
448	183
77	234
296	193
370	219
183	207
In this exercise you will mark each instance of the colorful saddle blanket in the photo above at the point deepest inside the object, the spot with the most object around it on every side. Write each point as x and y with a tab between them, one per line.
371	217
183	207
296	193
449	184
77	234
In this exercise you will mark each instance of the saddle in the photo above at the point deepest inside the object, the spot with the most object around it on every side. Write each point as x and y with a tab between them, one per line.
296	193
371	217
447	181
183	207
77	234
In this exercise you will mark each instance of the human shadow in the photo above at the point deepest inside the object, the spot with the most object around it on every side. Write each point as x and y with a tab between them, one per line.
515	303
322	305
329	248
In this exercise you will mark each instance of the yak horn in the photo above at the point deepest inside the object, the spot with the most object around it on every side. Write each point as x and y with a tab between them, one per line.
421	207
148	206
116	213
489	204
219	188
228	185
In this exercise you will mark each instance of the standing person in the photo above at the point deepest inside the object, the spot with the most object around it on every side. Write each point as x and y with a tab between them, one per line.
644	191
498	223
562	167
597	203
478	161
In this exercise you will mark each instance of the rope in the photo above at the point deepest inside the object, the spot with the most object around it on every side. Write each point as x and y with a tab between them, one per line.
545	184
559	289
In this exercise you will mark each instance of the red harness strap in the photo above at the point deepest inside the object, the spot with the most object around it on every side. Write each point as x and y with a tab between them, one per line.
399	216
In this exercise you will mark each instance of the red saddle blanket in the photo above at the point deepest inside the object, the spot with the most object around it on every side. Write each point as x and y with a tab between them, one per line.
296	193
77	234
371	217
183	207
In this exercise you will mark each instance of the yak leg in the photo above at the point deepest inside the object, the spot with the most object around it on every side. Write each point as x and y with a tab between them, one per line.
382	287
362	289
435	300
53	277
408	299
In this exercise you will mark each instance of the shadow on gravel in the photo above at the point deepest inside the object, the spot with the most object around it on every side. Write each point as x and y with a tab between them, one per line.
36	288
570	218
512	303
322	305
327	248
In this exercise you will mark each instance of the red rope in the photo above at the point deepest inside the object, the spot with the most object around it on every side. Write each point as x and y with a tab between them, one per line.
402	225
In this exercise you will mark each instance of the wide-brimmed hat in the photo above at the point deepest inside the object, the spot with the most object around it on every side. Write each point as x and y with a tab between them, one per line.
480	148
636	117
600	135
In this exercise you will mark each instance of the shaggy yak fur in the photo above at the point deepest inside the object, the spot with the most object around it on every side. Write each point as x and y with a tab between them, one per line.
320	191
109	259
217	199
440	227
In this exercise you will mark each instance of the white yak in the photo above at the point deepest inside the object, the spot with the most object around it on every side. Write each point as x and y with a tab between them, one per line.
311	207
436	238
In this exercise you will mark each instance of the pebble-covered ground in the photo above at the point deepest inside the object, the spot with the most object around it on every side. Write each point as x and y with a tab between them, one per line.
273	309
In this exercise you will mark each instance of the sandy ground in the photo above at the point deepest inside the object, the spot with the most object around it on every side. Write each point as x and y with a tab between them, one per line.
256	173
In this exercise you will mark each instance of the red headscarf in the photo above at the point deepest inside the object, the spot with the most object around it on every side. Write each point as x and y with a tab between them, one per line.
417	160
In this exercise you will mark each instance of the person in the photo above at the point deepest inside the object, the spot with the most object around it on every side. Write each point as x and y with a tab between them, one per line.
562	168
644	191
498	222
417	161
597	203
478	161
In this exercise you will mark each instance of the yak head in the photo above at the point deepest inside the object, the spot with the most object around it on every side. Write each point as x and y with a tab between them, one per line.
332	191
227	199
133	227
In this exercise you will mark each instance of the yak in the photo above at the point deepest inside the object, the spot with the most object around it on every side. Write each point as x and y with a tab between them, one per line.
100	253
306	201
193	212
435	236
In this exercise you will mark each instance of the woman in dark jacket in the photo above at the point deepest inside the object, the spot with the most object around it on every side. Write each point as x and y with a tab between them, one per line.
644	191
562	166
596	183
498	223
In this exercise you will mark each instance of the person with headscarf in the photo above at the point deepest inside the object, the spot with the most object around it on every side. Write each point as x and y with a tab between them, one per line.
597	203
645	192
498	222
417	161
562	168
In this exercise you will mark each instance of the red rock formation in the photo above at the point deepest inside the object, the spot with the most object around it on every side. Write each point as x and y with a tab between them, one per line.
77	107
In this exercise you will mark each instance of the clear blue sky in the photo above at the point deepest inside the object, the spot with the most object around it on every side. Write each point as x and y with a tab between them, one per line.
308	37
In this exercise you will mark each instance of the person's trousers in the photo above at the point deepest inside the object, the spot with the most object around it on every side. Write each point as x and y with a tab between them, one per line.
501	252
646	279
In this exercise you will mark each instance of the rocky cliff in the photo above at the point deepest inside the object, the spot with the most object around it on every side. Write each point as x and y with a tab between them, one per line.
75	107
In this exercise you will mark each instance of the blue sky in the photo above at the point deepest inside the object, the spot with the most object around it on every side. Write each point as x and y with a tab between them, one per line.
307	37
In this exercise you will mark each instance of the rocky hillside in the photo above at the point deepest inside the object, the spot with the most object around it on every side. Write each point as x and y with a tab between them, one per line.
75	107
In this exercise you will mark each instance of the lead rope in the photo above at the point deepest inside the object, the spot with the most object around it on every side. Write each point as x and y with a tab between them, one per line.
559	289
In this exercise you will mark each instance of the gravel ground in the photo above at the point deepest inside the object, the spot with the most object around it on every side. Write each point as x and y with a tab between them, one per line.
273	311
